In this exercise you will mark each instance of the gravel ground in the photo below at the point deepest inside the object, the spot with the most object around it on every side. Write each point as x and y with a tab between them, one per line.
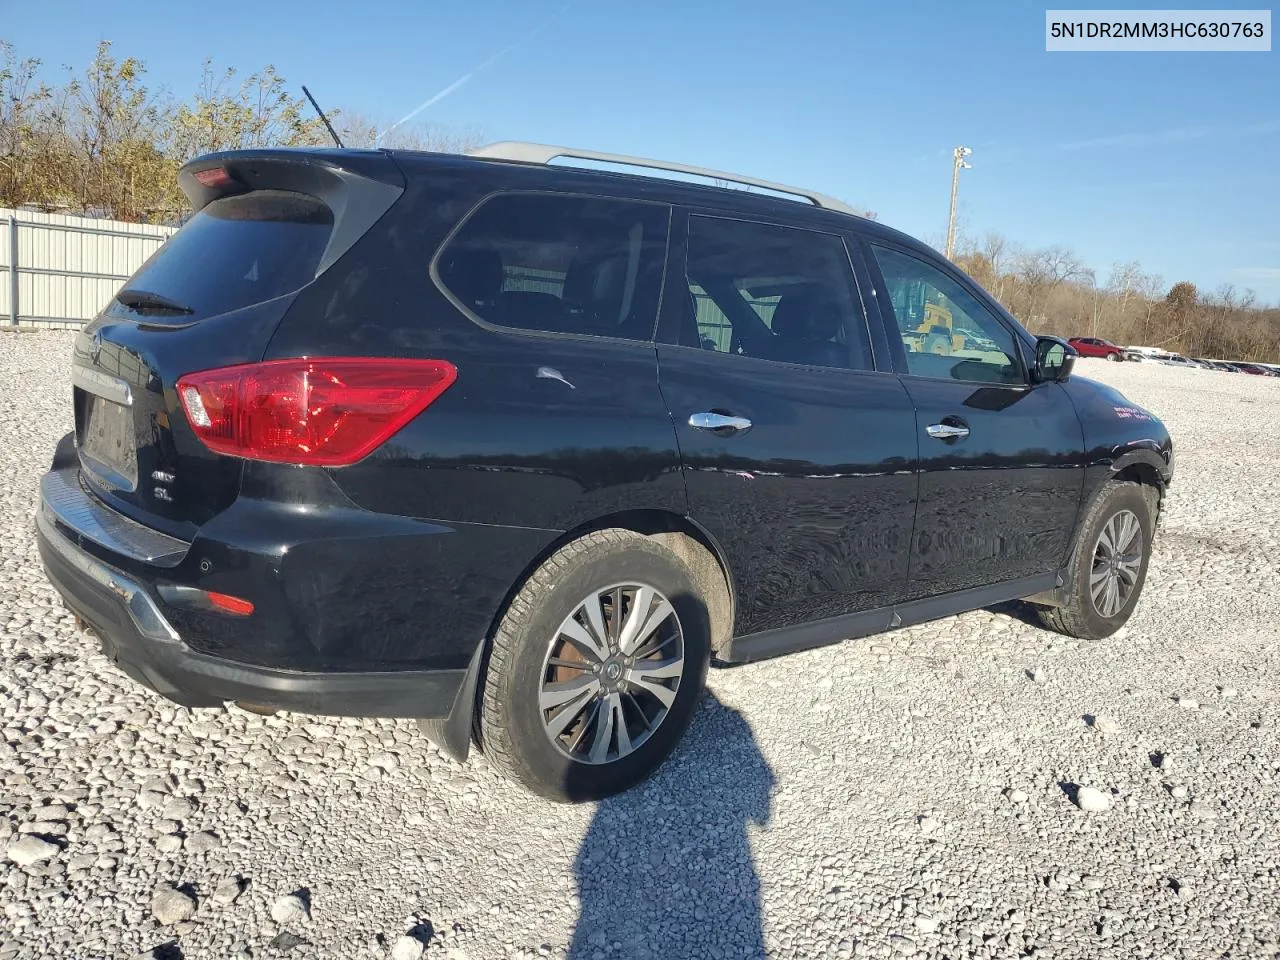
907	795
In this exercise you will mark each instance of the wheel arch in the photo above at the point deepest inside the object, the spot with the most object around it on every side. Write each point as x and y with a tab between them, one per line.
1143	467
687	540
693	545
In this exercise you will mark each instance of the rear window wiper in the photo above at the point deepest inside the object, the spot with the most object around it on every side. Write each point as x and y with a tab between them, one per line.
146	300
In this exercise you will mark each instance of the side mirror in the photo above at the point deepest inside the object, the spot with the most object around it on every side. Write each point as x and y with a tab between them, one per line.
1054	360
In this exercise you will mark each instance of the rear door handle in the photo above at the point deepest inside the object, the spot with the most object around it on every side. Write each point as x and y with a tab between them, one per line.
946	431
718	422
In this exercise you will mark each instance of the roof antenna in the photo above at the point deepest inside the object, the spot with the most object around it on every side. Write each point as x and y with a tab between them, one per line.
327	124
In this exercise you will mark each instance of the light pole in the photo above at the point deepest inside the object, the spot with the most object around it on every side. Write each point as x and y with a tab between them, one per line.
958	154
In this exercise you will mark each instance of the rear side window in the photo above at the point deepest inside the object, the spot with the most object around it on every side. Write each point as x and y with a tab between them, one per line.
773	292
560	264
239	251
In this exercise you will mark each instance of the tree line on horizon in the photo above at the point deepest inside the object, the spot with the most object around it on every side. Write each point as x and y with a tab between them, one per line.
104	143
1050	290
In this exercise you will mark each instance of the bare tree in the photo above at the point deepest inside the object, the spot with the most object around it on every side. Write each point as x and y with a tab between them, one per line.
1041	271
985	261
1149	285
359	129
995	247
1123	283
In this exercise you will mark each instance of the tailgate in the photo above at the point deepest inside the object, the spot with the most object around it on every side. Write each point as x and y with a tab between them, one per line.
267	223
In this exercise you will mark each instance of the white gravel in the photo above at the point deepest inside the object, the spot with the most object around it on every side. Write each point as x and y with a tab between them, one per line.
853	801
1092	800
407	948
289	909
170	906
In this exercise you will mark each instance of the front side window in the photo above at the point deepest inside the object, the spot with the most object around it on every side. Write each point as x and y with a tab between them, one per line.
777	293
947	333
560	264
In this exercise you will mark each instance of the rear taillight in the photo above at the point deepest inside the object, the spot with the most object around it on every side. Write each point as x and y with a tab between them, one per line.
320	412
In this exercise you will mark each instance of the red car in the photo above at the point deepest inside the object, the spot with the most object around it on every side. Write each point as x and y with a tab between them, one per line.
1256	369
1097	347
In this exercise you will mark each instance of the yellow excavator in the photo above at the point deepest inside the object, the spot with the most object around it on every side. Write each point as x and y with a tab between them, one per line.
935	333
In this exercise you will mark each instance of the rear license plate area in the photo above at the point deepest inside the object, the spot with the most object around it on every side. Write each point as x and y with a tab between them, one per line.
108	443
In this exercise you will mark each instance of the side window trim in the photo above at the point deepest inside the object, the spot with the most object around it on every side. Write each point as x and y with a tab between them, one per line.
867	282
958	277
884	314
434	273
671	309
672	315
860	303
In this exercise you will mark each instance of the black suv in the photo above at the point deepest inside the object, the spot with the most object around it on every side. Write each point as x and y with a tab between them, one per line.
518	448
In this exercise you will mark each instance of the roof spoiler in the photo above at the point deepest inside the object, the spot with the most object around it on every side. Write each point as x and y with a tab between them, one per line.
282	169
359	186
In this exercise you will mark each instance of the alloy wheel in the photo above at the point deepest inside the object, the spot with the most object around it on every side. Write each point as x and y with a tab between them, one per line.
611	673
1117	561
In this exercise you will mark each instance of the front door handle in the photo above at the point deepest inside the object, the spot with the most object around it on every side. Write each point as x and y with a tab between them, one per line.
718	422
946	431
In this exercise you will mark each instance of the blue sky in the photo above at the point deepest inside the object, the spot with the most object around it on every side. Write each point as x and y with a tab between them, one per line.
1165	158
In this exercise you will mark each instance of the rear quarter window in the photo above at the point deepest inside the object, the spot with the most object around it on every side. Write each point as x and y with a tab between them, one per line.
559	264
238	251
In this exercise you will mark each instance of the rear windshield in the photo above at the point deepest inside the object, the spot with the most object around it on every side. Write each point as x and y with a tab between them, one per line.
239	251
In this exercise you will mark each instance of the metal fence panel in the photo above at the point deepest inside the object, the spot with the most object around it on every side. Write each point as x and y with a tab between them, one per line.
67	267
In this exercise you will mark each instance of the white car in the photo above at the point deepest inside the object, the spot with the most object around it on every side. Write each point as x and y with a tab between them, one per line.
1144	354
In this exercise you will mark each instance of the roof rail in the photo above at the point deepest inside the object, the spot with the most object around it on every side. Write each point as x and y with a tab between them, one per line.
545	153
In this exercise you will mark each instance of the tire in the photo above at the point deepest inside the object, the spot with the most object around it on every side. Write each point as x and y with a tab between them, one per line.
610	569
1113	357
1085	616
938	344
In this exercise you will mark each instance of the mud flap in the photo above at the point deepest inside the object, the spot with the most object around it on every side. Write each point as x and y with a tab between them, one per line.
1056	596
452	734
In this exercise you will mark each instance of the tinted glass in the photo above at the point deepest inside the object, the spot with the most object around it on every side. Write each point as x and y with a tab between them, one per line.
560	264
947	333
777	293
239	251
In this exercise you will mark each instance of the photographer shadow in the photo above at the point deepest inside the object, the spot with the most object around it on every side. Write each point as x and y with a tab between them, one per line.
666	869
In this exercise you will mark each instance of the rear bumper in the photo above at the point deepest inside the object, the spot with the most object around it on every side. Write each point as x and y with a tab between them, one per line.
135	633
337	589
